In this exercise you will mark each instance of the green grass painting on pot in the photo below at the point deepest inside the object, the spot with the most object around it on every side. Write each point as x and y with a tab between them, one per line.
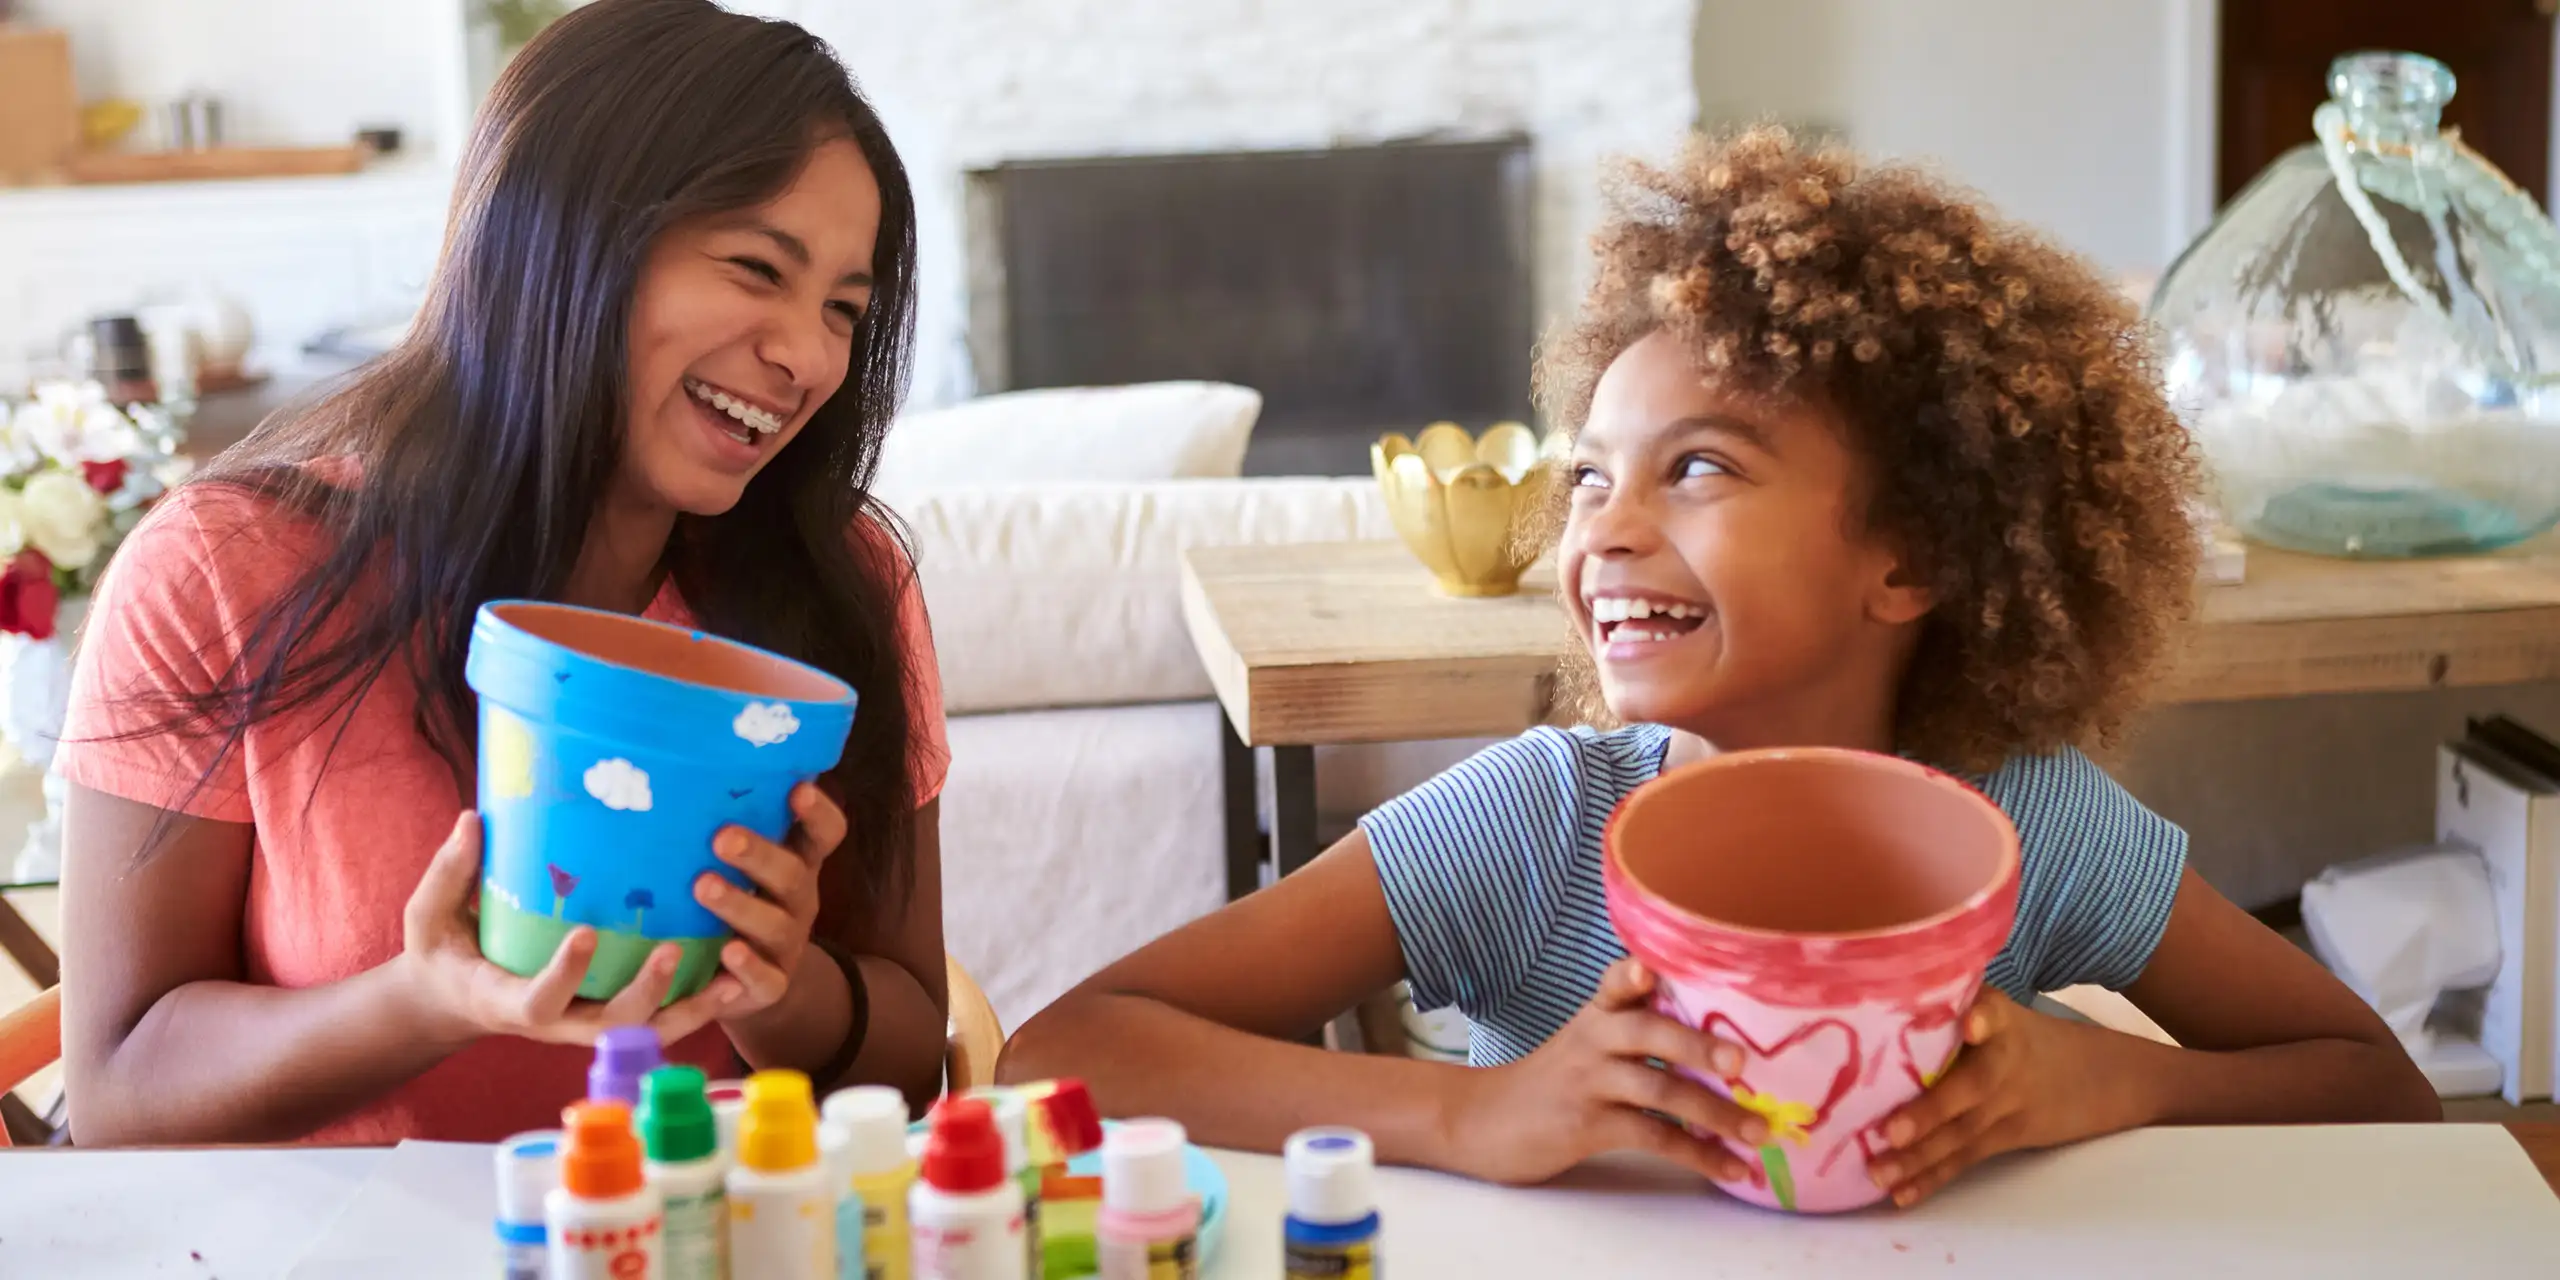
612	750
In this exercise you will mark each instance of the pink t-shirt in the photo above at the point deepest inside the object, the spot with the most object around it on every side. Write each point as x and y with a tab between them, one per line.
333	863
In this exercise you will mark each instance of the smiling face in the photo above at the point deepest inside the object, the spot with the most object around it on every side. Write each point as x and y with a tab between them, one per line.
1714	564
742	325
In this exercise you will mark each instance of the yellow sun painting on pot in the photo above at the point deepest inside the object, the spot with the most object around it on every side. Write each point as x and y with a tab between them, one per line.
508	746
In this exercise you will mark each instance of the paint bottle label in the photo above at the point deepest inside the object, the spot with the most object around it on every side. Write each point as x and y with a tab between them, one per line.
961	1250
524	1262
1032	1258
1177	1259
1354	1261
882	1228
609	1251
851	1214
697	1234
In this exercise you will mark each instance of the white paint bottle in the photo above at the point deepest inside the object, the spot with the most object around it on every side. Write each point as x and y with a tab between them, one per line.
966	1209
683	1148
864	1132
603	1219
528	1168
728	1102
782	1204
1149	1228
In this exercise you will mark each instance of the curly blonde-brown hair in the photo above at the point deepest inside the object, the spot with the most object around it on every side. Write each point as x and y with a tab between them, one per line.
2019	452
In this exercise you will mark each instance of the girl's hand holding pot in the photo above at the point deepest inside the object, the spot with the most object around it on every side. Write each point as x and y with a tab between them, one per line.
773	921
1593	1088
2023	1081
463	997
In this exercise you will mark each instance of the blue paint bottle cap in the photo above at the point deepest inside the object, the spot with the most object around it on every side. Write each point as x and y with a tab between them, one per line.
1331	1175
623	1056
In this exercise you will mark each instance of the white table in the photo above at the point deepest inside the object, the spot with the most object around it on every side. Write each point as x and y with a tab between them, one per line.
2450	1200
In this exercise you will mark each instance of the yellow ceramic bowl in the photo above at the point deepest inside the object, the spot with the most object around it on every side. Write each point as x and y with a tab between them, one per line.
1455	500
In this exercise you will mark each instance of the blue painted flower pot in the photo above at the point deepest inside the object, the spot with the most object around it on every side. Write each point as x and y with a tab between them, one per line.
612	750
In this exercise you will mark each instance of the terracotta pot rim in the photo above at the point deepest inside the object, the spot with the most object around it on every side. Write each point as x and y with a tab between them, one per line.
508	611
1614	864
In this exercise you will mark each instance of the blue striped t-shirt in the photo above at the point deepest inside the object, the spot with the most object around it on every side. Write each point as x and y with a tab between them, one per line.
1492	873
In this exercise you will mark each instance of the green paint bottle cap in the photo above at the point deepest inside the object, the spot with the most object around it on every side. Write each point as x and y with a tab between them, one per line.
675	1118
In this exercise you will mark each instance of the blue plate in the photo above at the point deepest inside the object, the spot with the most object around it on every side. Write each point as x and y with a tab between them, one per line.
1202	1174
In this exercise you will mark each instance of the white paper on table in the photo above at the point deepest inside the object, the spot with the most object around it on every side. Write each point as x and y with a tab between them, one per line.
427	1211
2383	1201
103	1215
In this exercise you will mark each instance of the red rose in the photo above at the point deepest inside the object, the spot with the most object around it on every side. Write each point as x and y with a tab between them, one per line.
105	477
28	600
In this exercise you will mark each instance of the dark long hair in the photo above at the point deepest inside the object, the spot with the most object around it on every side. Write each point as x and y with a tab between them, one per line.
483	444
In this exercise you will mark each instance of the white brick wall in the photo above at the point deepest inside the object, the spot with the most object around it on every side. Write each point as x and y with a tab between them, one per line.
963	84
968	83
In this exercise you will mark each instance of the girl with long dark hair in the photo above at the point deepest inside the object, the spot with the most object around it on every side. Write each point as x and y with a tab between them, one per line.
669	326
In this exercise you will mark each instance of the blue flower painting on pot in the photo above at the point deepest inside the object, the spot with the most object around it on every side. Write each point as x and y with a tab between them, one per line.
612	750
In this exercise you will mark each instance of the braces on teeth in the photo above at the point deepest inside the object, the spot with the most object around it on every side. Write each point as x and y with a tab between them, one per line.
749	416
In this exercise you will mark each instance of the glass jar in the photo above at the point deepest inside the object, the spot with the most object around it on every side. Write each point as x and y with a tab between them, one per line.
2366	342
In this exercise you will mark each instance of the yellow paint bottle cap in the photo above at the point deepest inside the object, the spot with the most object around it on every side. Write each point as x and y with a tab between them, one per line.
778	1132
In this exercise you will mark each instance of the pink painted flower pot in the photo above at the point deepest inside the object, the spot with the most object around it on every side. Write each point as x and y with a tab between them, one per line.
1832	912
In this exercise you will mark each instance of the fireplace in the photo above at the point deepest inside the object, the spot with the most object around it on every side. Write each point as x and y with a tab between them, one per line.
1359	289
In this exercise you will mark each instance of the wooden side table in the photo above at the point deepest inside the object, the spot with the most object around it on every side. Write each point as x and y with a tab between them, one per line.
1342	642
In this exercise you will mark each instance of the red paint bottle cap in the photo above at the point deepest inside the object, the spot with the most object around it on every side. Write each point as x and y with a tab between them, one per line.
1074	1124
963	1152
601	1159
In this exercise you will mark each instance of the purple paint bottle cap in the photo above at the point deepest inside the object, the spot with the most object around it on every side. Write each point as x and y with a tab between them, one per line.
1142	1169
1331	1175
623	1055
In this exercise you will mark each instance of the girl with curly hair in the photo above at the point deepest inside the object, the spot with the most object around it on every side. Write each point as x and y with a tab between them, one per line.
1854	463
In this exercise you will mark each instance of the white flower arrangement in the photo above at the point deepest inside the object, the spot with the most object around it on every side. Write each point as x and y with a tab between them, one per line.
76	475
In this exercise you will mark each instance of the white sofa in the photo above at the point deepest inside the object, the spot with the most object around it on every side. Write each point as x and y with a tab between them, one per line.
1082	815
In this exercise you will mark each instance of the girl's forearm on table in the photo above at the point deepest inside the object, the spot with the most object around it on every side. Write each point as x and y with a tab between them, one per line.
226	1062
2303	1082
1231	1088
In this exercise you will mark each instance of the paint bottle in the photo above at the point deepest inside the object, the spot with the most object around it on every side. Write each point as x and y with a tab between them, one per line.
1150	1223
728	1102
966	1209
1332	1229
623	1056
604	1219
1065	1124
1013	1121
528	1168
682	1143
782	1206
865	1134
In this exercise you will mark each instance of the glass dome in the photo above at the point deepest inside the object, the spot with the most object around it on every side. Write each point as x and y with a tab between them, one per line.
2365	342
